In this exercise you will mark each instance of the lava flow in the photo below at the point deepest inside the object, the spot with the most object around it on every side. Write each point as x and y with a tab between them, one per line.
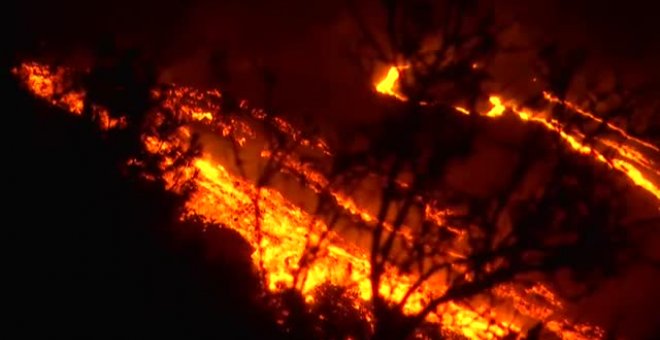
627	156
282	232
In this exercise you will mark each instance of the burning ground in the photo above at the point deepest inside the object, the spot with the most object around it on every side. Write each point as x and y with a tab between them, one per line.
270	179
282	232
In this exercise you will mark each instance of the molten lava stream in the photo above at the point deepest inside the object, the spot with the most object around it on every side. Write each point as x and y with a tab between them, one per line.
281	232
285	228
626	158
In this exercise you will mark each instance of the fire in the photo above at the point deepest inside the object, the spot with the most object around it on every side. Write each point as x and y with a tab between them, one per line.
51	86
552	98
628	159
388	84
281	242
462	110
281	232
498	108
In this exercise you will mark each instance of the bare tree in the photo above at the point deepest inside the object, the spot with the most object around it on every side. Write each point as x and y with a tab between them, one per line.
453	243
566	217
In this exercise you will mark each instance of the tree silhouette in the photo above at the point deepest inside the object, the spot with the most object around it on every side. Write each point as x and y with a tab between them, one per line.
537	224
552	212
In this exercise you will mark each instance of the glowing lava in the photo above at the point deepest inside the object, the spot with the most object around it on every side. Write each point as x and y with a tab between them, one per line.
388	84
282	232
627	158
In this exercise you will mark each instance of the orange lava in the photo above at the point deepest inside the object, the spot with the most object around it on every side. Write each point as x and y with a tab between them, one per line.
52	86
388	84
628	159
282	232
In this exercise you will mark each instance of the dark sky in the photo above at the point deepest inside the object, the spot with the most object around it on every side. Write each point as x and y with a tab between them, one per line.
310	47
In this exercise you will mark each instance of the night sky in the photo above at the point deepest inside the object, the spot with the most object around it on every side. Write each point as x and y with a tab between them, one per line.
311	49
